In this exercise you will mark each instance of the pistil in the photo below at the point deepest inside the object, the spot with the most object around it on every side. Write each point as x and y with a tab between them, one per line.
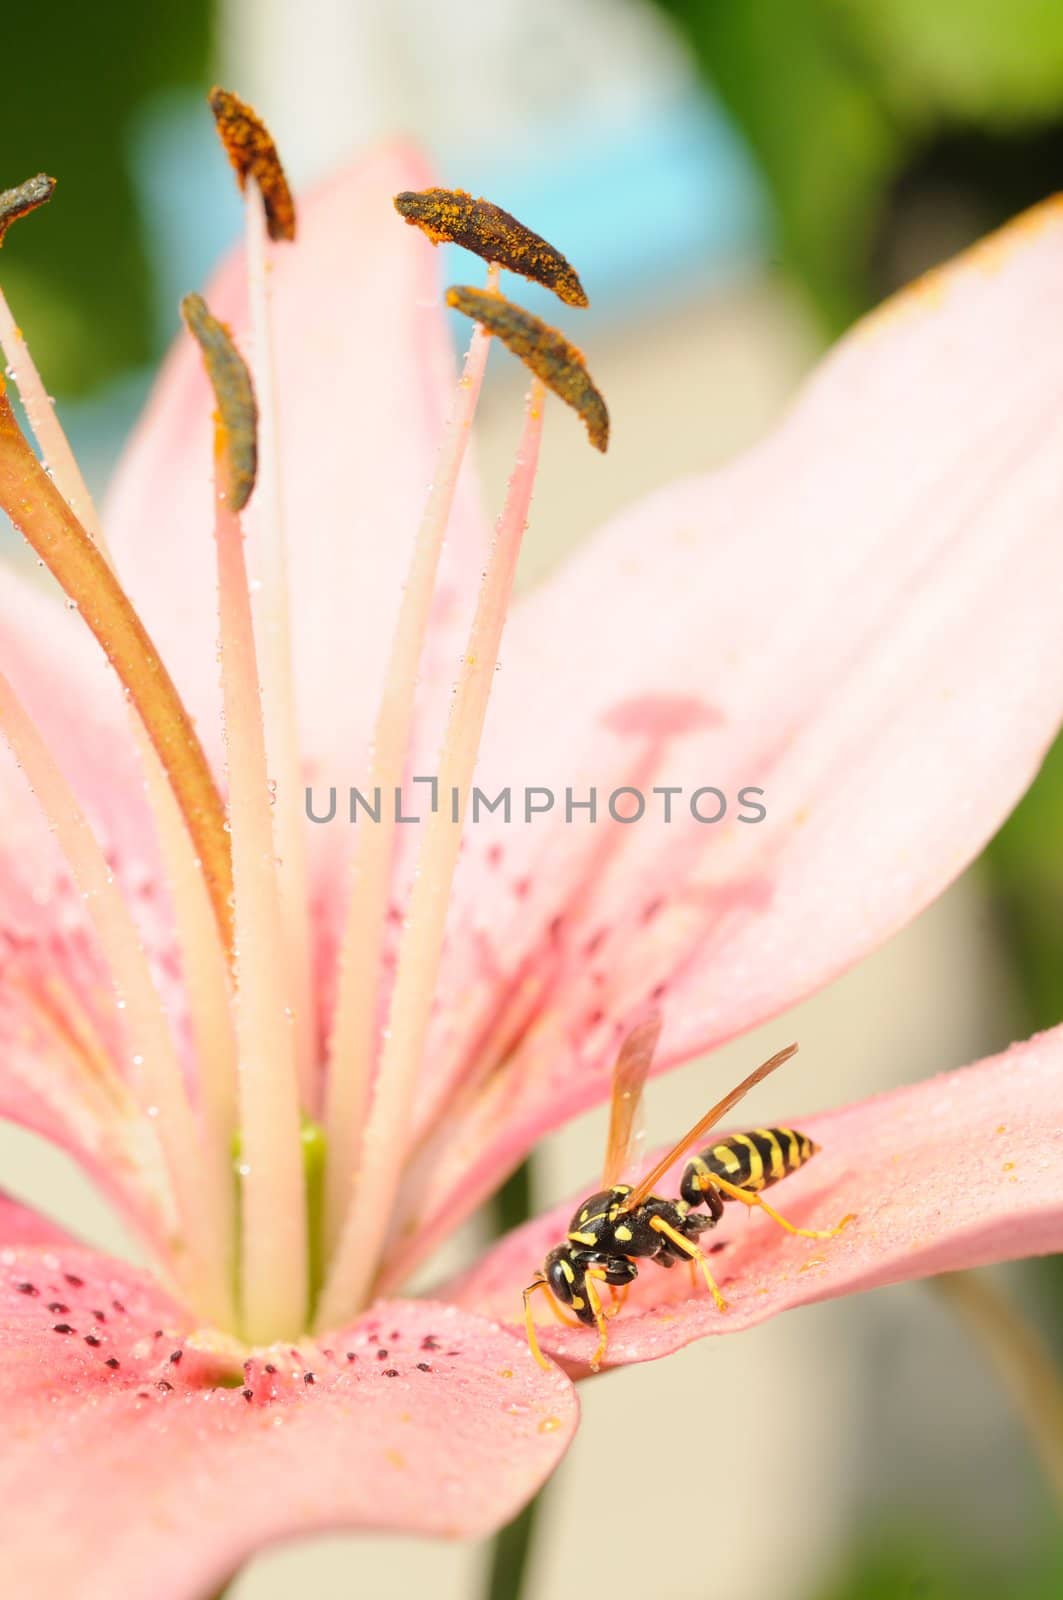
386	1137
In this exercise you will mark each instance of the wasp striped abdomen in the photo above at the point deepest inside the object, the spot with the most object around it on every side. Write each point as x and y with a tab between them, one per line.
751	1161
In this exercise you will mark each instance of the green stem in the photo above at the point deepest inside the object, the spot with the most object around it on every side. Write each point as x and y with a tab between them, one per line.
511	1548
1023	1364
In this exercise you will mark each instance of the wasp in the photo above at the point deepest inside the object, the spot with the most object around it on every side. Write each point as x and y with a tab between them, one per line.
623	1224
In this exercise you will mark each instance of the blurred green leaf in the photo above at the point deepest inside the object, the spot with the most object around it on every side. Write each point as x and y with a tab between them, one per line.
974	61
837	97
75	273
916	1564
788	74
1025	866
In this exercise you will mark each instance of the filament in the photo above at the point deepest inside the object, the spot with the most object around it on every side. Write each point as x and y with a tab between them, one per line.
387	1131
275	659
40	413
360	956
273	1241
155	1068
204	962
39	511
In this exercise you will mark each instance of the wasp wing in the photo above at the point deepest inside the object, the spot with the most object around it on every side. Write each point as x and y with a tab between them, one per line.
700	1129
629	1075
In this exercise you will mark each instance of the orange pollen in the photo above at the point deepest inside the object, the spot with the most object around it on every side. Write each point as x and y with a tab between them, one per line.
253	154
235	396
18	202
452	216
544	350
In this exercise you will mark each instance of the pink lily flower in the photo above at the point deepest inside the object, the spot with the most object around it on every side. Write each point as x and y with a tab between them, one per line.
859	620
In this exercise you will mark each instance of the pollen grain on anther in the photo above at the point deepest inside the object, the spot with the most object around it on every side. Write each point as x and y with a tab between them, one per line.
235	397
253	154
542	349
23	199
452	216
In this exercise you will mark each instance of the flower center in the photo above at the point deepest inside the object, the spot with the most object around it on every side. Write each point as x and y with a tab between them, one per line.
298	1240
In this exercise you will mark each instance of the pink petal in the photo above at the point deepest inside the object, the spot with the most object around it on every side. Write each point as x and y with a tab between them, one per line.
960	1171
366	378
864	612
50	965
22	1225
163	1483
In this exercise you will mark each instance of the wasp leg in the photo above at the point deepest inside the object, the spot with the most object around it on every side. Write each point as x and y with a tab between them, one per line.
529	1320
749	1199
617	1299
696	1255
595	1301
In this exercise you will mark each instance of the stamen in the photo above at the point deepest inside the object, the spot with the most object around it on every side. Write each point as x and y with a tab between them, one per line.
39	511
61	1016
271	609
156	1069
23	199
387	1134
204	961
351	1047
451	216
235	396
249	146
545	351
38	403
274	1246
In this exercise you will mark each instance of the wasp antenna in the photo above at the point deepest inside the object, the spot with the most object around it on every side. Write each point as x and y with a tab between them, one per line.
701	1128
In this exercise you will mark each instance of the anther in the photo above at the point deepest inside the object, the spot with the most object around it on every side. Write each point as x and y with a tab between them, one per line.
23	199
542	349
235	397
253	154
451	216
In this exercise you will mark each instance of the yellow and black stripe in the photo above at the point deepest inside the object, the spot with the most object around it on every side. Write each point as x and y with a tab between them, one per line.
752	1161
